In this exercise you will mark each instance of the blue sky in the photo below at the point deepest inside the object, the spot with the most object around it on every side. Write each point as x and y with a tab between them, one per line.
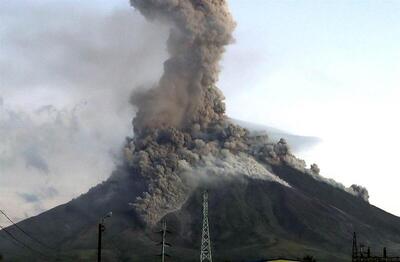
323	68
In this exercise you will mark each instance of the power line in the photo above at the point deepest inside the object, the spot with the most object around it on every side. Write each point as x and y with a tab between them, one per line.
15	242
26	233
22	243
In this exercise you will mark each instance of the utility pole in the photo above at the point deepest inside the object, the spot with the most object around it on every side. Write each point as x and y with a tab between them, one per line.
355	248
101	229
163	242
205	253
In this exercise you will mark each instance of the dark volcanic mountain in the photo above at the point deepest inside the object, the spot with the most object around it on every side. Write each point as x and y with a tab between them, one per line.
249	219
263	201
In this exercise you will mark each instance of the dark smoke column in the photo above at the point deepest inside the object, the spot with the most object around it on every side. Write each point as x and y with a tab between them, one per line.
181	124
186	93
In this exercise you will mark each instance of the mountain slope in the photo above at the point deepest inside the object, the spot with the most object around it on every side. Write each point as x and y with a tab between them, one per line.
249	219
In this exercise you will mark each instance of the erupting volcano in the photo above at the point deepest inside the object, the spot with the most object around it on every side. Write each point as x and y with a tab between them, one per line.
183	141
181	129
181	132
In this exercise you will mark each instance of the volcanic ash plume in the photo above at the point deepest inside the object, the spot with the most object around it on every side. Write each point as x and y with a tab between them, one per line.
181	132
182	136
186	93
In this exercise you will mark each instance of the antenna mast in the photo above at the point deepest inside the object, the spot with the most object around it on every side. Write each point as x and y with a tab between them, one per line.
205	255
163	242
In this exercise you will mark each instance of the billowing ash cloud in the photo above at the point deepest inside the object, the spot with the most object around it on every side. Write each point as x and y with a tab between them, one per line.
200	30
360	191
182	134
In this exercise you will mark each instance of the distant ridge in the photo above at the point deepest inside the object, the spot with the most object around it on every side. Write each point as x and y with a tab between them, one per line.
297	143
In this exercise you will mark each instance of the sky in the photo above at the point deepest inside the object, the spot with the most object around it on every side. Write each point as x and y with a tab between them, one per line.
327	69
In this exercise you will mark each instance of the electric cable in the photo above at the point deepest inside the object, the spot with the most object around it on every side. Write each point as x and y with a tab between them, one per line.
26	233
22	243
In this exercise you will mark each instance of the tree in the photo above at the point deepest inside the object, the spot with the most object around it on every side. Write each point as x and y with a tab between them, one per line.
309	259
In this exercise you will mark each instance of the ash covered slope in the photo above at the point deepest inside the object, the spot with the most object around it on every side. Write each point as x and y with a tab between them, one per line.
249	219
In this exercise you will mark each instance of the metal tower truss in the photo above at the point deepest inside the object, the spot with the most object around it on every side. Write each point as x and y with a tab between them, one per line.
205	254
163	242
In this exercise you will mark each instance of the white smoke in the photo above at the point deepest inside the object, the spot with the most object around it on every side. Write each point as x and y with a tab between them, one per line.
66	73
44	151
230	165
